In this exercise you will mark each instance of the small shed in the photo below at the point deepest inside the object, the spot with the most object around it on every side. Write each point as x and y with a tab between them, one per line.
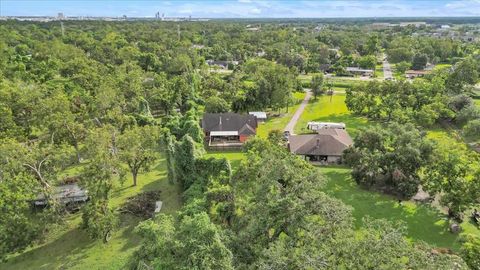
261	116
64	194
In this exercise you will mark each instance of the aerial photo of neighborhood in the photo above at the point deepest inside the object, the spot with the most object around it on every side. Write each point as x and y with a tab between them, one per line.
240	134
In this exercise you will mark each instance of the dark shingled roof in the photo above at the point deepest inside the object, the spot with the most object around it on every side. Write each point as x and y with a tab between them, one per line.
243	123
328	142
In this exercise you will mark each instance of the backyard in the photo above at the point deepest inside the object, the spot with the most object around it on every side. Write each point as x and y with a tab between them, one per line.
68	246
423	222
329	109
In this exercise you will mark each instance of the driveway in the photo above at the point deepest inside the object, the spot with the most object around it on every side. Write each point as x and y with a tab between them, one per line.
387	70
291	125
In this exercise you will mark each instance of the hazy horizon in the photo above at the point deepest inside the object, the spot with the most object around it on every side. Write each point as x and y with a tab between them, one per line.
244	8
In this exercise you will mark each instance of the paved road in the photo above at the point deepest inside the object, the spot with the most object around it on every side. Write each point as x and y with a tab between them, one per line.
291	125
387	70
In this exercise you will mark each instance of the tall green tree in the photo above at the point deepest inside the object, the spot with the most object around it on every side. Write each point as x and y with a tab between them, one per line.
138	148
98	176
317	85
390	156
449	174
195	244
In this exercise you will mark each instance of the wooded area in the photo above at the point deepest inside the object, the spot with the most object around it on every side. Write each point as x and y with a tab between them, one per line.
116	107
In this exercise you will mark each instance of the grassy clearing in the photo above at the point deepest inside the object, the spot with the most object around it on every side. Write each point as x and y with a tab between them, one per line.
342	82
442	66
477	101
424	223
379	71
235	157
329	109
67	246
280	122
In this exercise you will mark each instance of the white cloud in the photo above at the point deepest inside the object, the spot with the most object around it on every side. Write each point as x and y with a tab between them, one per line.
255	11
245	1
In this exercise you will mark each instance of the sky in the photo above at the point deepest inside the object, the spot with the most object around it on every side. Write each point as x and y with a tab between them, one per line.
243	8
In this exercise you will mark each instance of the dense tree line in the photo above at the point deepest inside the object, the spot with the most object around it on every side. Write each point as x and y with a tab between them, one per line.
443	95
271	213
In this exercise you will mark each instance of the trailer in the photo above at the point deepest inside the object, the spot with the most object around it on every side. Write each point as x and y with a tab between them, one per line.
325	125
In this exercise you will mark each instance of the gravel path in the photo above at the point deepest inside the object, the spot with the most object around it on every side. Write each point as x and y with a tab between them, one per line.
291	125
387	70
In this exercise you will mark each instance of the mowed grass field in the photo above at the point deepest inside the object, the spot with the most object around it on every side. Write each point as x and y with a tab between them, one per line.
423	222
379	72
329	109
280	122
67	246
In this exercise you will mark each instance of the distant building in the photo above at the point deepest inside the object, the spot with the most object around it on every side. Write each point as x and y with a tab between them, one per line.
60	16
360	71
228	129
416	24
381	25
325	147
411	74
222	64
198	46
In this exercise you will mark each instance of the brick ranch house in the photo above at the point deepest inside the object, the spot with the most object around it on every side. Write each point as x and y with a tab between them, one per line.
228	129
325	147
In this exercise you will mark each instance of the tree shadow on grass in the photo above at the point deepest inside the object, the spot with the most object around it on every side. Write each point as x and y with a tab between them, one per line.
64	252
423	221
129	222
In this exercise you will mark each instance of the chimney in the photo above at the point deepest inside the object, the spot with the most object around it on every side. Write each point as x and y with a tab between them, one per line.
318	142
220	121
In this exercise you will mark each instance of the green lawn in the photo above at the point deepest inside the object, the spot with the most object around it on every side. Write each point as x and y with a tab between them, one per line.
379	71
67	246
235	157
423	222
329	109
342	82
281	121
477	101
441	66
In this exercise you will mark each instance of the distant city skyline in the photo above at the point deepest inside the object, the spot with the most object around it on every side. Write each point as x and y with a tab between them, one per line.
243	8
